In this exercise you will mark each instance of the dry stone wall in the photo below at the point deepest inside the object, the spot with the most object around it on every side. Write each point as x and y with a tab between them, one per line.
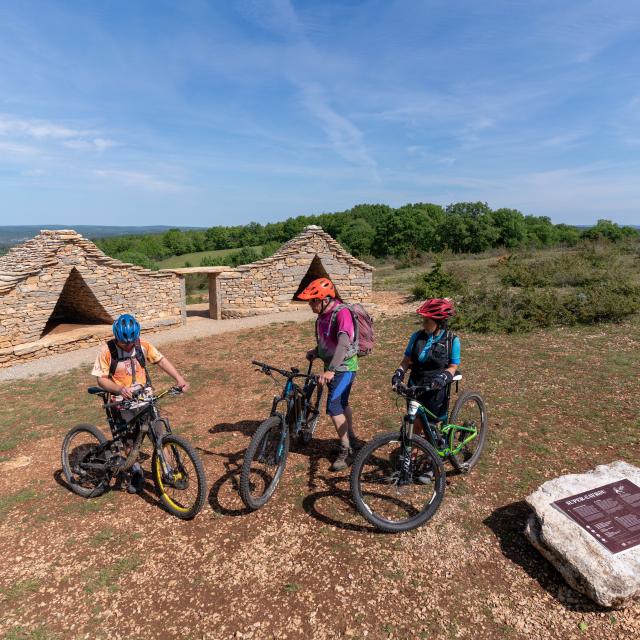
59	276
269	285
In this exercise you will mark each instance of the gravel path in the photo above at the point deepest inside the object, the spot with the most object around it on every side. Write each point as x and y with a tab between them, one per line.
196	327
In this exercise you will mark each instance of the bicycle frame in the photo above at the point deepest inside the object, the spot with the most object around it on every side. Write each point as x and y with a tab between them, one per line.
298	404
432	431
143	423
448	431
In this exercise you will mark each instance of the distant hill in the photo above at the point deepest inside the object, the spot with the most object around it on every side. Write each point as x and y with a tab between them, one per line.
11	235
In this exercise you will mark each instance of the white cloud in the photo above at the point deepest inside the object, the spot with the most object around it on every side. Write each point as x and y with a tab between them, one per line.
141	180
92	144
43	131
13	148
346	139
38	129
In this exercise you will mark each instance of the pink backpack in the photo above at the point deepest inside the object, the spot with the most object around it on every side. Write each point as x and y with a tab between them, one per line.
363	326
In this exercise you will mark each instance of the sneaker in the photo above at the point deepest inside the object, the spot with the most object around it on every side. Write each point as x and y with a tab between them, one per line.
136	481
424	478
340	463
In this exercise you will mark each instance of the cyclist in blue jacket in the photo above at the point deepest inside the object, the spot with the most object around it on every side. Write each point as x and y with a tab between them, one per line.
432	355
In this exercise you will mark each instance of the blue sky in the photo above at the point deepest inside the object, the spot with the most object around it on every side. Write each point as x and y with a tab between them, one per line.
204	113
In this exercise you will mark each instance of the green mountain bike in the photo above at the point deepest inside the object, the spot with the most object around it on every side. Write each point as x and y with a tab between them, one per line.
398	479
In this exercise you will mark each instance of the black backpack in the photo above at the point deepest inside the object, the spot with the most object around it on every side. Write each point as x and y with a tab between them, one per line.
113	365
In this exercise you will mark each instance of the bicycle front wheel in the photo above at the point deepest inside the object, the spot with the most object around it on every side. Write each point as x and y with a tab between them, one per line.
468	425
179	477
84	461
394	488
264	462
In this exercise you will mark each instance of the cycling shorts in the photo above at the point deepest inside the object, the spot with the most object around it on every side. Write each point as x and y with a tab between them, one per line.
339	389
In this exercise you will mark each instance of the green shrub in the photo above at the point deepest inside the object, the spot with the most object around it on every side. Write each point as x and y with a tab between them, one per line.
606	301
269	249
215	261
135	257
504	310
437	283
587	266
244	256
507	310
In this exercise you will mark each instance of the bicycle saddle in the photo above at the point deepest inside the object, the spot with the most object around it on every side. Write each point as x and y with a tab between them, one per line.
95	390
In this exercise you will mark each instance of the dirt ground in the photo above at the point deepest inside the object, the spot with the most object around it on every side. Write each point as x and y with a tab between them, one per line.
306	565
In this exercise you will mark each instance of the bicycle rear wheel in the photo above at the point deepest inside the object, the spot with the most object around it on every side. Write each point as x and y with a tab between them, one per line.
389	497
84	461
264	462
469	424
179	477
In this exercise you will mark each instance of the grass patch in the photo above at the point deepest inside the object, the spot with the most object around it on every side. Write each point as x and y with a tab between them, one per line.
85	506
101	537
40	633
15	499
108	577
20	589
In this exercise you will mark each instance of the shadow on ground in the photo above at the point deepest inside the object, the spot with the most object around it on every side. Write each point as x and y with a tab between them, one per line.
508	524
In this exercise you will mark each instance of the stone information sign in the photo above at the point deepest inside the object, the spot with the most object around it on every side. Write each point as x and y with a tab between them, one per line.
611	514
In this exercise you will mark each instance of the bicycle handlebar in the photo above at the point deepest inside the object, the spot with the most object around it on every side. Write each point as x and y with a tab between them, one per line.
294	373
172	391
410	392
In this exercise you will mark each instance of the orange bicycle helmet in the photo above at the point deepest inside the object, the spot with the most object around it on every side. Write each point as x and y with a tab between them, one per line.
318	289
437	308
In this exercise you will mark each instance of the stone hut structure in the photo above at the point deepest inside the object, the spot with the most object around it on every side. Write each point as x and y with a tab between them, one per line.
58	292
273	283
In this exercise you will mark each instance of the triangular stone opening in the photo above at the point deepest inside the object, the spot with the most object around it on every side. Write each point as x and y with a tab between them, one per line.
77	306
316	270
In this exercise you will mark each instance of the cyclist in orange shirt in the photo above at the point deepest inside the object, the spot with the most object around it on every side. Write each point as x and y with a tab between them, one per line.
121	369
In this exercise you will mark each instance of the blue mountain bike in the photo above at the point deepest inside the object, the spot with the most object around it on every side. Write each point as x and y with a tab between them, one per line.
294	412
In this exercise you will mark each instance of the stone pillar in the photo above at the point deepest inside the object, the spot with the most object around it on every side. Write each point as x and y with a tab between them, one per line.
183	299
215	308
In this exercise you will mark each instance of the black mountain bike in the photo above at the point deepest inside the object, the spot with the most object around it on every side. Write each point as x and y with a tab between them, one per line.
294	412
90	461
398	479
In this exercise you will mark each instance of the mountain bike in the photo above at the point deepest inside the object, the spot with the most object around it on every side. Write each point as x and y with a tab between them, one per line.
398	479
90	461
294	412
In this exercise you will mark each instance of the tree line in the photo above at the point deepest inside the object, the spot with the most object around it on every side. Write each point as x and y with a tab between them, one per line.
375	230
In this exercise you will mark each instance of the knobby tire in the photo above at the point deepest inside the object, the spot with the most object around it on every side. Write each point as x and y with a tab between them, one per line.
271	428
463	462
367	453
71	476
180	449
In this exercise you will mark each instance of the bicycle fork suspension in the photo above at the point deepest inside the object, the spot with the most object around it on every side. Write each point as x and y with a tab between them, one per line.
407	438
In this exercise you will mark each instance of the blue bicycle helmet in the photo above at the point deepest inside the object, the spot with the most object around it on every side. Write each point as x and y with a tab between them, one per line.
126	328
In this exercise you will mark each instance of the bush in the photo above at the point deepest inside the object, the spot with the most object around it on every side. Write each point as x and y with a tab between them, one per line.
587	266
437	283
269	249
215	261
607	301
504	310
244	256
135	257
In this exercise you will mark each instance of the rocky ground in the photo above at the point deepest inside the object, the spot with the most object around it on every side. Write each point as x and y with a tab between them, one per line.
306	565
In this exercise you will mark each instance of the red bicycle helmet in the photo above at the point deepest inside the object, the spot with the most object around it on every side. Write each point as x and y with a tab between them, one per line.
437	308
318	289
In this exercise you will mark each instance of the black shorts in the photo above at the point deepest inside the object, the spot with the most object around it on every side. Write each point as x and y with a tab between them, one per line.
436	402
